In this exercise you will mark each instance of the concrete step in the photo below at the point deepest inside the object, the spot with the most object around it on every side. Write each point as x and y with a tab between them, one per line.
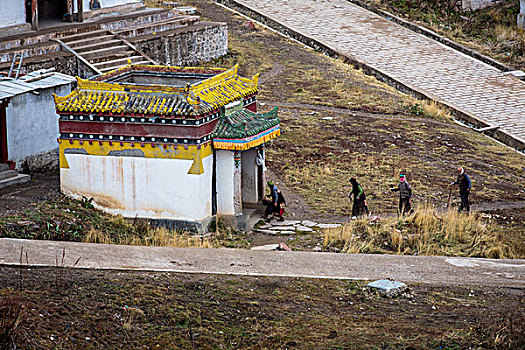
7	174
99	54
83	35
112	57
119	62
97	45
159	26
18	179
89	41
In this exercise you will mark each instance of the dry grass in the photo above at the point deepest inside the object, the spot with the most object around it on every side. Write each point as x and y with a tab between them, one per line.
155	237
424	233
11	317
429	109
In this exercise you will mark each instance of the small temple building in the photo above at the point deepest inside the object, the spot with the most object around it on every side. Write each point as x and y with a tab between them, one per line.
182	145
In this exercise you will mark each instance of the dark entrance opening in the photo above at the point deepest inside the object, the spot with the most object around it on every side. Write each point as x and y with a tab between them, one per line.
52	11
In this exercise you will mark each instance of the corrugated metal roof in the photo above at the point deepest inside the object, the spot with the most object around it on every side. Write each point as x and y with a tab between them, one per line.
10	87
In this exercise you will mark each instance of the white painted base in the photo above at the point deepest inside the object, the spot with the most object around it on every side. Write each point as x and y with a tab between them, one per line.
140	187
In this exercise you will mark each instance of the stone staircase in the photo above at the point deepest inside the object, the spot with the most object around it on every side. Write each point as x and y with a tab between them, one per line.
101	45
102	50
10	177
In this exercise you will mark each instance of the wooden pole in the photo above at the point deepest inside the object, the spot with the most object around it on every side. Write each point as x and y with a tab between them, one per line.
80	8
34	14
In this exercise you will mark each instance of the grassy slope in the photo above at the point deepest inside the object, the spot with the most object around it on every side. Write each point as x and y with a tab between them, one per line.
130	310
381	138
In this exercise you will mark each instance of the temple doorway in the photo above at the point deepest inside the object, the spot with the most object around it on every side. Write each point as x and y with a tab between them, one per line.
250	178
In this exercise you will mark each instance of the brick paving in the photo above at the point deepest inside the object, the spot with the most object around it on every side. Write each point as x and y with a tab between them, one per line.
412	59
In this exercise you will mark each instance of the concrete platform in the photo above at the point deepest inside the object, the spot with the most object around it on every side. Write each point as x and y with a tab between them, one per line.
408	269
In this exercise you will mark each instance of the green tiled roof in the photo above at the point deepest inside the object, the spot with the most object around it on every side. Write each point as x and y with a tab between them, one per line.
244	124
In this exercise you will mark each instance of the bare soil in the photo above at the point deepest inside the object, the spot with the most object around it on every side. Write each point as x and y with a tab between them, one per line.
72	309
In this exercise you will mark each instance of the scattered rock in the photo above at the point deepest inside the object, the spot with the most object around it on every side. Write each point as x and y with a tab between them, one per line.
388	287
284	247
266	247
304	229
284	228
329	225
308	223
317	249
249	25
286	223
267	232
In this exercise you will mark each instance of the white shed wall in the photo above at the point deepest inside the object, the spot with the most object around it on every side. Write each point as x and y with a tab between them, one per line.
105	4
32	123
142	187
12	12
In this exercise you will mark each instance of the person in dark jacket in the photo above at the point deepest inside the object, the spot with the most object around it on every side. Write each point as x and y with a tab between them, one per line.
359	204
464	183
272	205
405	195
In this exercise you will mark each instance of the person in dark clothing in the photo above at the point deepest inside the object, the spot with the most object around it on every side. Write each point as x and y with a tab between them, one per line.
405	195
272	205
464	183
281	205
359	204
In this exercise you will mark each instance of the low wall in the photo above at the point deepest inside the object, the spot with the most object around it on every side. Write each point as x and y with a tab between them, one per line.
186	46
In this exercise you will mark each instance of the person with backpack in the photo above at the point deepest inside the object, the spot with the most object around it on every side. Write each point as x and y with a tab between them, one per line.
405	195
359	201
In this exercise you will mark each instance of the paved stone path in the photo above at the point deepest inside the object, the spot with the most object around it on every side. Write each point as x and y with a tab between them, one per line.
408	269
414	60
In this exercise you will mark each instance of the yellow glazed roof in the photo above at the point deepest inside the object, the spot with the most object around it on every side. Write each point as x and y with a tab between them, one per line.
121	98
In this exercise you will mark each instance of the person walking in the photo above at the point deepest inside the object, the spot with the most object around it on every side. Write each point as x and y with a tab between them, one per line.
359	204
405	195
465	184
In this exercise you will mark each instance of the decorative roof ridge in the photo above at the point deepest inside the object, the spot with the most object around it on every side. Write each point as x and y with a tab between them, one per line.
207	83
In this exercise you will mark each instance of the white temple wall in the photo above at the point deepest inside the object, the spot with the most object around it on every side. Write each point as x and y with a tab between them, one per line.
225	182
143	187
12	13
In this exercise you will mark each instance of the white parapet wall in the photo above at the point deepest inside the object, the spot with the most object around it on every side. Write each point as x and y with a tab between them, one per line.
140	187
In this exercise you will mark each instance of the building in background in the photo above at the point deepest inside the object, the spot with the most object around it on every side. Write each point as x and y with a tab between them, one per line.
29	123
17	15
172	144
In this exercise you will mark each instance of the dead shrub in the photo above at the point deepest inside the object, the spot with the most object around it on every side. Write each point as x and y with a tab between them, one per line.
504	331
11	317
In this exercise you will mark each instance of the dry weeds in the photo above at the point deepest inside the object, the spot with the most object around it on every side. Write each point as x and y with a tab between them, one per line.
425	233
